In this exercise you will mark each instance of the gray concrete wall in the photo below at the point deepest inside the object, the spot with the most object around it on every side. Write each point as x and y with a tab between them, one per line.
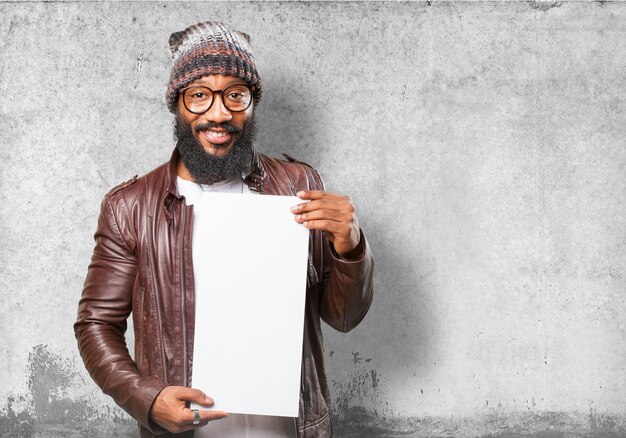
483	144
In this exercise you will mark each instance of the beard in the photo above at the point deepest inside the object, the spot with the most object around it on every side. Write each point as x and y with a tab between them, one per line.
206	168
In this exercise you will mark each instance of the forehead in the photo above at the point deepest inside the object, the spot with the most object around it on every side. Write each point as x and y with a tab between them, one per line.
217	81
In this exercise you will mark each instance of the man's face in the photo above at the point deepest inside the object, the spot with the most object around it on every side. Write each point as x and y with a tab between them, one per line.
216	145
211	128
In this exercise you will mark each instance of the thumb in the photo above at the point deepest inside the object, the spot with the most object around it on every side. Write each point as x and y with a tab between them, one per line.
195	396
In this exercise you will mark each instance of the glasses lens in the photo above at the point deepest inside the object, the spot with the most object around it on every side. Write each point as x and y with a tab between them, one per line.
237	97
198	99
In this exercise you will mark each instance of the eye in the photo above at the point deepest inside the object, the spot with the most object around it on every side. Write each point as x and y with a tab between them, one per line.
235	95
197	94
236	92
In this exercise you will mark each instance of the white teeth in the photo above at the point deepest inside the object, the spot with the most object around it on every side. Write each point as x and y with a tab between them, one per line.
217	134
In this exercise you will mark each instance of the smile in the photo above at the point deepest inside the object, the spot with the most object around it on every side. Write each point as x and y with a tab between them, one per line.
216	137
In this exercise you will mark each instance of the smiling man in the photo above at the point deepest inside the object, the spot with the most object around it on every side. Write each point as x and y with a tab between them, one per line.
143	260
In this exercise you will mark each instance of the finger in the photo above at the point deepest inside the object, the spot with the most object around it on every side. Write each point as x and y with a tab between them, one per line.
332	227
318	194
212	415
203	416
195	396
342	204
324	214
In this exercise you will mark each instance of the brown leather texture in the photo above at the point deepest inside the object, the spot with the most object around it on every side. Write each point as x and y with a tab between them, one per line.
142	265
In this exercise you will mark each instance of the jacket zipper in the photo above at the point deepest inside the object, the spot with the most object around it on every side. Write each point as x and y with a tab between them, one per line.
183	298
156	295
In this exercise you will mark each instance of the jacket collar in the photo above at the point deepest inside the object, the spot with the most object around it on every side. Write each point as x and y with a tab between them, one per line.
257	176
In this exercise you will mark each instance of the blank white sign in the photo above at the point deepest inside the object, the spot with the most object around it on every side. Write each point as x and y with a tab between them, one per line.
250	267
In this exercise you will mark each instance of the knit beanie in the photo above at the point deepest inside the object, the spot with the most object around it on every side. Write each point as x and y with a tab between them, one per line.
210	48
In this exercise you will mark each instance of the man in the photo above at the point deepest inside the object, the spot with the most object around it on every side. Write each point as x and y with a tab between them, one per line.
143	259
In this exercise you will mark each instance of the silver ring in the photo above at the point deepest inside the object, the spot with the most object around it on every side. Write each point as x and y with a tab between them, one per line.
196	417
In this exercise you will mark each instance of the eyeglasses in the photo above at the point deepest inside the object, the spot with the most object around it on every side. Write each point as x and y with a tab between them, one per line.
198	99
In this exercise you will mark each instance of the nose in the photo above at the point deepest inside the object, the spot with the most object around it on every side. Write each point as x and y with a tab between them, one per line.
218	113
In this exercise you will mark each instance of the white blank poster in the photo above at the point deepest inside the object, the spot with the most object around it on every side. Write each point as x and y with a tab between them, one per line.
250	267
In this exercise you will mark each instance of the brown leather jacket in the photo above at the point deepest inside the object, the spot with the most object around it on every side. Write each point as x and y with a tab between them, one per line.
142	264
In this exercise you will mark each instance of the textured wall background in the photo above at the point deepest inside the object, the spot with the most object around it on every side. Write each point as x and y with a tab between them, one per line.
483	144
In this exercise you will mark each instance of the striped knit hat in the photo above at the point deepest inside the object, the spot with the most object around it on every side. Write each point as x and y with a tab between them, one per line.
210	48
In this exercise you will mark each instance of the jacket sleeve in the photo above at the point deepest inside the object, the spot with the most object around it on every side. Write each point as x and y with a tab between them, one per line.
103	309
348	288
347	283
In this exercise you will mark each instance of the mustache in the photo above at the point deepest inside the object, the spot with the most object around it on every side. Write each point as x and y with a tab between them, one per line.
212	125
